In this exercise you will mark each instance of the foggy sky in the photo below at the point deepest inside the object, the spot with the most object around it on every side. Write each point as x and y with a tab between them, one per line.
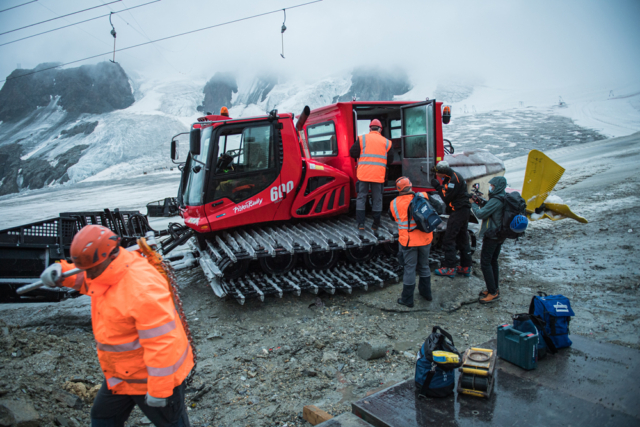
505	43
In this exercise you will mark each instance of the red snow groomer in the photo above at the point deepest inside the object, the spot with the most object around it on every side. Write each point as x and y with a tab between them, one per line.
270	201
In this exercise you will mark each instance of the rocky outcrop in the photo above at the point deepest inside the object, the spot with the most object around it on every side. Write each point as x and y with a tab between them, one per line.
17	174
376	85
85	128
92	89
218	92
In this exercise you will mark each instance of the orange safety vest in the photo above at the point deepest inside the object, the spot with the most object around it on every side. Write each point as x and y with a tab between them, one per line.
142	346
408	234
372	164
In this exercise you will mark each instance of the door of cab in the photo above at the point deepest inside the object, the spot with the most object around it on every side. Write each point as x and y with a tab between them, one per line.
418	142
242	191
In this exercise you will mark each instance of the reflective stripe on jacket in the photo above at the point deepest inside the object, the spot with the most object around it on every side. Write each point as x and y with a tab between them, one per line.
141	344
372	164
409	235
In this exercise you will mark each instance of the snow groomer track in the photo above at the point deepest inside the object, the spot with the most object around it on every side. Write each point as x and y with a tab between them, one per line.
230	259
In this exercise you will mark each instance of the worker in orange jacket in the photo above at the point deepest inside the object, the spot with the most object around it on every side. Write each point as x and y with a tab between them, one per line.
142	347
414	245
371	152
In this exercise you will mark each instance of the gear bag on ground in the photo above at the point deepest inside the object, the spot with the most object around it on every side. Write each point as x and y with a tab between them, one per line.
436	378
556	311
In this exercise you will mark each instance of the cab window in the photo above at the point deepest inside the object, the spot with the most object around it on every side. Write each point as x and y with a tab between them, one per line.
245	163
396	129
322	139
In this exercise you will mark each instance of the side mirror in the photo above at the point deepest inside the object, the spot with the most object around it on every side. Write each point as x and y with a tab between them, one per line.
174	150
476	186
194	141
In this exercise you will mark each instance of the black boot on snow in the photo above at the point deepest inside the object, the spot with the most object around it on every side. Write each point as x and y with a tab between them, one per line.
424	288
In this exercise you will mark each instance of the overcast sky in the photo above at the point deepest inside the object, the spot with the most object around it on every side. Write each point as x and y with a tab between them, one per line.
506	43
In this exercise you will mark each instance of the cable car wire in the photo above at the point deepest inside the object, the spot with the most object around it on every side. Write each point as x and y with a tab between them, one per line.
80	22
160	39
58	17
23	4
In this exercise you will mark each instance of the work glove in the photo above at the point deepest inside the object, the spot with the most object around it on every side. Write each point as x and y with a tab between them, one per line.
155	402
52	276
435	183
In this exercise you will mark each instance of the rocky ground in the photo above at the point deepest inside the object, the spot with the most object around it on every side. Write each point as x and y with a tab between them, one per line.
260	363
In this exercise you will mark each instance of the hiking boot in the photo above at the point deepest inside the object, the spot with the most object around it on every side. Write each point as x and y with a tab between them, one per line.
405	304
486	292
447	272
490	298
360	220
424	288
465	271
376	222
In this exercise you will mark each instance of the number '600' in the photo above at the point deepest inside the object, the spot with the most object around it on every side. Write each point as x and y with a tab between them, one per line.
278	190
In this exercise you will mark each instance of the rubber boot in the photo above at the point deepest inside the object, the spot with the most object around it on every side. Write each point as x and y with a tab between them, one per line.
406	298
424	288
376	222
360	216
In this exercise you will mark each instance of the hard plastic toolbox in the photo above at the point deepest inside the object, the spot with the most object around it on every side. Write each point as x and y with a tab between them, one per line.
517	347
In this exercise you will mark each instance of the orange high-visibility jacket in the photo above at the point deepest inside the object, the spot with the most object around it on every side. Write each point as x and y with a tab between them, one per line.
372	164
142	346
408	234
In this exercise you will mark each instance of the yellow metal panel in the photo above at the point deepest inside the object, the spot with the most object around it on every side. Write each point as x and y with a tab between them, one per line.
541	176
563	210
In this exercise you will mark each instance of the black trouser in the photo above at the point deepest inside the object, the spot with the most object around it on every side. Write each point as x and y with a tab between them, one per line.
489	263
112	410
456	239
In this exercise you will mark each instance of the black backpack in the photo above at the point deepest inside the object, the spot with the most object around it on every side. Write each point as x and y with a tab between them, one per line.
512	205
423	214
436	379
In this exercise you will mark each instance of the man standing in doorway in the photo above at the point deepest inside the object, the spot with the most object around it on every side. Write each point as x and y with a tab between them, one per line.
453	192
371	152
414	244
142	346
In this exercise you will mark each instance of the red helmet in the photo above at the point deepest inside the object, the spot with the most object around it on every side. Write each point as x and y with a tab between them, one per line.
92	246
403	183
375	122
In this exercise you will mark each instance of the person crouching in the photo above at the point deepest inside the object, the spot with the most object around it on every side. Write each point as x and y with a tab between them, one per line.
414	244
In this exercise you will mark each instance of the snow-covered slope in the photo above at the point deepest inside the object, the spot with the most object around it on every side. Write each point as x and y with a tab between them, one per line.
50	146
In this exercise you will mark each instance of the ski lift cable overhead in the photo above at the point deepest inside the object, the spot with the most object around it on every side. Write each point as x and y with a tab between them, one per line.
144	34
59	17
79	22
160	39
14	7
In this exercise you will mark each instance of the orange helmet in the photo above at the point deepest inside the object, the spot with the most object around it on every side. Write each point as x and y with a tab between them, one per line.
92	246
224	111
375	122
403	183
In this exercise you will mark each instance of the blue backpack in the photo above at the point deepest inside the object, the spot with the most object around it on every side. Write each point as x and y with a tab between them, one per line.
436	379
525	322
423	214
556	312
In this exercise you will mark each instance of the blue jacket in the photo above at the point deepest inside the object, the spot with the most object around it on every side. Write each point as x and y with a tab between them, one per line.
491	213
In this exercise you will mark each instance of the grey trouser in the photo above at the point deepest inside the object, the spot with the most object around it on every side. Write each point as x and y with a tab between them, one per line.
412	259
362	188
